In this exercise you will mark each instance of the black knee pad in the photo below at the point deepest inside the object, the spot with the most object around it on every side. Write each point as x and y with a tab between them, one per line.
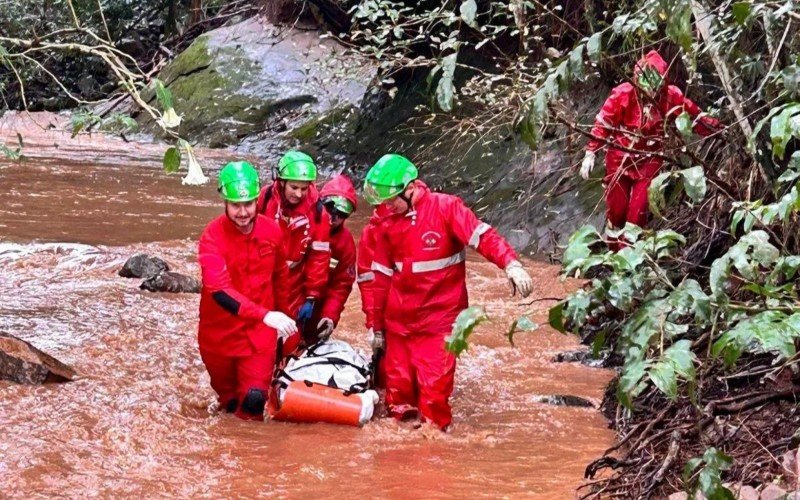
254	402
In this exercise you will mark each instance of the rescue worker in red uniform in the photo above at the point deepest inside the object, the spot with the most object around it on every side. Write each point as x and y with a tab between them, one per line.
292	201
420	285
365	276
635	117
339	199
242	305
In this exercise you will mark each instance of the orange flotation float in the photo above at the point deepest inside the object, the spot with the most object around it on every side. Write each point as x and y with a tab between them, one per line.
327	383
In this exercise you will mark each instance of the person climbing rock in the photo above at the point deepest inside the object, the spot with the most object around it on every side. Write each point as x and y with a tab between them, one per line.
634	117
339	199
242	304
292	201
420	284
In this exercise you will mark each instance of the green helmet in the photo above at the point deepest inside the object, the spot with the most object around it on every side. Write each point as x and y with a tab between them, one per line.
388	177
238	182
297	166
340	203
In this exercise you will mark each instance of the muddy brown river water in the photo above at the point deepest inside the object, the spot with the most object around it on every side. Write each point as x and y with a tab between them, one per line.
140	422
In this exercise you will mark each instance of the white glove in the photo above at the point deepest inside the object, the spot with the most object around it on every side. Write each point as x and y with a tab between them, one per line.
520	279
285	325
376	340
325	328
587	165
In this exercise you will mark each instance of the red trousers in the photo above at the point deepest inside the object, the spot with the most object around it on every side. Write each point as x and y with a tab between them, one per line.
237	381
626	200
419	376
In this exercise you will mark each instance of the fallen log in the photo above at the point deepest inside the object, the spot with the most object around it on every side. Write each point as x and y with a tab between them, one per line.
23	363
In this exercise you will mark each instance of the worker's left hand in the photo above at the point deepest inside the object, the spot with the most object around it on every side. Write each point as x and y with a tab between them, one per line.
587	165
325	328
306	311
520	279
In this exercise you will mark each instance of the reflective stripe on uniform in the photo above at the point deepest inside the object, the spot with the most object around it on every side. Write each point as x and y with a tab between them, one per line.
321	246
475	239
425	266
292	264
363	277
334	263
382	269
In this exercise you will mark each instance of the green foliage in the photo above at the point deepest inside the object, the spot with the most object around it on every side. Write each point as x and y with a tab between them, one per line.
172	160
522	324
163	94
116	123
465	323
690	180
709	480
13	154
769	331
83	120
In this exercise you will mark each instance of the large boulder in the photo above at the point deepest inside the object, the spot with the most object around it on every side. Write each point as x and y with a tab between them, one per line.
253	77
23	363
143	266
171	282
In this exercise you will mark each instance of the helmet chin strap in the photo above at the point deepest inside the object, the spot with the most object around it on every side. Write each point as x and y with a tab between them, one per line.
405	198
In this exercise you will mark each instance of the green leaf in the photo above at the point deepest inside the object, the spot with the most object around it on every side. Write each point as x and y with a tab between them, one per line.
445	89
679	25
465	323
782	129
741	11
578	247
694	182
172	160
663	376
632	374
521	324
593	46
655	193
690	467
576	62
684	125
468	10
163	94
555	317
577	308
620	294
598	343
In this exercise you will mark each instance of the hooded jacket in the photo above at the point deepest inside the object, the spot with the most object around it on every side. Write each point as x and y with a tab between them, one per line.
342	273
635	121
306	242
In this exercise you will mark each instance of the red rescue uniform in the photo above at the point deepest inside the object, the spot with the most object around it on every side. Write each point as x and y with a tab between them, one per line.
365	276
306	244
241	275
342	273
420	288
636	122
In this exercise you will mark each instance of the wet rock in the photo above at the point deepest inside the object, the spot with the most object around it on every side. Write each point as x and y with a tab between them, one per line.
791	467
742	491
772	492
168	281
252	76
582	357
564	400
143	266
25	364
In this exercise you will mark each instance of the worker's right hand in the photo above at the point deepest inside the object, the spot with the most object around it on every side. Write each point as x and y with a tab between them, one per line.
587	165
285	325
376	340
